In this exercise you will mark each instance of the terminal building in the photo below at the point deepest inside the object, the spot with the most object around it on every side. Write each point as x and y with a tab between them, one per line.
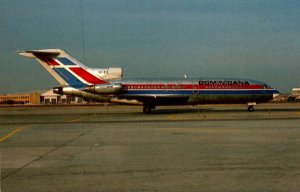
35	98
20	98
52	98
295	95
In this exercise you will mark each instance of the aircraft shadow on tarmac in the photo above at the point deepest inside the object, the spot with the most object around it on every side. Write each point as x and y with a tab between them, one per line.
214	110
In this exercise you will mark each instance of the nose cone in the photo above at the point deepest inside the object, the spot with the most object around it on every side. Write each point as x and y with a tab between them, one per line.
275	93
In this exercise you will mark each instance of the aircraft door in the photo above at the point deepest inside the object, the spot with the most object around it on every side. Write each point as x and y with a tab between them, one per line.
178	86
195	87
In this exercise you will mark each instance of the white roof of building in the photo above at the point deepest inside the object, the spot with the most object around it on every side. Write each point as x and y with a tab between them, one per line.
49	93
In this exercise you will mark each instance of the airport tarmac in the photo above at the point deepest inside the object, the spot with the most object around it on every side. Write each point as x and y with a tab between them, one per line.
118	148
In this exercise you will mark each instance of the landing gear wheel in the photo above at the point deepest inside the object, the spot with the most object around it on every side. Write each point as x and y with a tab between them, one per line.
251	108
148	109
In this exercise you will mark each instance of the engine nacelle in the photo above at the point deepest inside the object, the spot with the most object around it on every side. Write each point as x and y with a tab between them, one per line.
106	88
80	93
107	73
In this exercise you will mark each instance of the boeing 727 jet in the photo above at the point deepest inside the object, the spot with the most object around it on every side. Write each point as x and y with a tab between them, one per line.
104	84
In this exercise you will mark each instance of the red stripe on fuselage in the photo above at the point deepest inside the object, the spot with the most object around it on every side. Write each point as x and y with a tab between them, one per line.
87	76
191	86
230	87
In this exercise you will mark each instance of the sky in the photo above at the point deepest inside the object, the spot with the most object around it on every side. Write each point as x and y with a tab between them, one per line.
257	39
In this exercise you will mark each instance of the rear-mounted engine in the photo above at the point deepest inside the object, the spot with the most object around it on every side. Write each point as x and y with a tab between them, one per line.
106	88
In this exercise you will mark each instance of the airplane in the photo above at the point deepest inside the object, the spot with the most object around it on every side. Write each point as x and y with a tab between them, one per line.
105	84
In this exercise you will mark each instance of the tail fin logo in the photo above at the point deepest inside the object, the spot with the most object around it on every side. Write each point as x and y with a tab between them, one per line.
65	69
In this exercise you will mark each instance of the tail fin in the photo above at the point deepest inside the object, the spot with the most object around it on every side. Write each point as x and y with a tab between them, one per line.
64	68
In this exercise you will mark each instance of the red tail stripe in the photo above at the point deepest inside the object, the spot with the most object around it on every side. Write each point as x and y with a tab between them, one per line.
87	76
50	61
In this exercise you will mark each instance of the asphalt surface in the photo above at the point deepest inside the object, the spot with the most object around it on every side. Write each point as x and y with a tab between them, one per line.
118	148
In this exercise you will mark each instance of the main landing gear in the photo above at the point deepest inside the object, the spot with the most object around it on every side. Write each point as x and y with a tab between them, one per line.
148	108
251	106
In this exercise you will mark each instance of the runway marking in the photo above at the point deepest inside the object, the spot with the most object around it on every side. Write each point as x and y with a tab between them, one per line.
13	133
172	117
80	118
3	177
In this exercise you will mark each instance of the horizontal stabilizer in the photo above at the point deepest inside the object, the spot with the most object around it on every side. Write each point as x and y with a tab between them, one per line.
41	53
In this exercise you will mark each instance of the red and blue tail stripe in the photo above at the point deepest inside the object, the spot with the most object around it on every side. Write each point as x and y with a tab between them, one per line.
69	77
50	61
65	61
88	77
73	74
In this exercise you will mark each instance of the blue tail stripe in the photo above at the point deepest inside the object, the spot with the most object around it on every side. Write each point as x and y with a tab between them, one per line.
68	77
65	61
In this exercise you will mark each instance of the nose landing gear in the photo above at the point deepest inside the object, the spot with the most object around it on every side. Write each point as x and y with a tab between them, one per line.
251	106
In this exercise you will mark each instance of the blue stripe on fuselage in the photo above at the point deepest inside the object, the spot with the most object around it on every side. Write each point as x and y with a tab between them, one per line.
68	77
